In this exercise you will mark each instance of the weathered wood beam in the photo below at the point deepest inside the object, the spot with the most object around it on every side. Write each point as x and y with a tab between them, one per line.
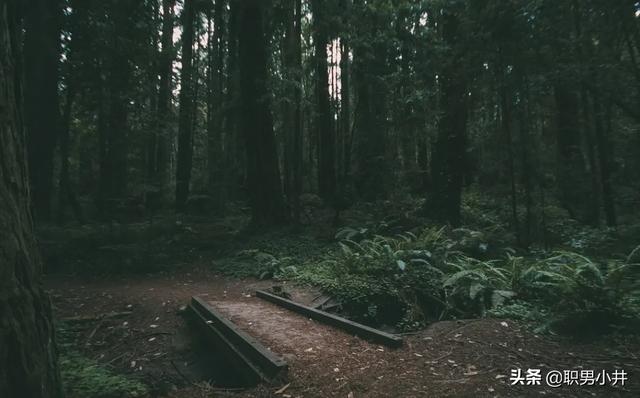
355	328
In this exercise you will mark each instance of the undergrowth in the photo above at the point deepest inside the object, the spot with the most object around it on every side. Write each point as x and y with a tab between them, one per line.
412	279
83	377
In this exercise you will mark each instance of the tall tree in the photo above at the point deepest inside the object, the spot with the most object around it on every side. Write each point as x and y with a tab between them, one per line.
293	107
263	174
158	156
42	114
28	357
449	154
324	126
369	69
185	117
215	92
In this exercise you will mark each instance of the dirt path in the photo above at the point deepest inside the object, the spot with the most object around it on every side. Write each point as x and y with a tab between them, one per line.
448	359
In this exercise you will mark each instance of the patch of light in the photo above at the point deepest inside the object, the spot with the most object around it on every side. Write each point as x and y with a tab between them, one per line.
334	55
424	18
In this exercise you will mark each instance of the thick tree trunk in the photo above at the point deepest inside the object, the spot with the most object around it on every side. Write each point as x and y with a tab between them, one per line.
215	82
158	165
28	357
449	153
185	132
42	118
372	174
323	123
234	154
292	110
263	175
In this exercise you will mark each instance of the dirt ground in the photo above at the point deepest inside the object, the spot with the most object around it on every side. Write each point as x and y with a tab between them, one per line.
134	326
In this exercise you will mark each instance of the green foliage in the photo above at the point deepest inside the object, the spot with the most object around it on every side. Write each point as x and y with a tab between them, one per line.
86	378
411	279
83	377
583	293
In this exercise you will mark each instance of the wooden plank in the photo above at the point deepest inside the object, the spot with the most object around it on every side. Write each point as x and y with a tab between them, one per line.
355	328
251	358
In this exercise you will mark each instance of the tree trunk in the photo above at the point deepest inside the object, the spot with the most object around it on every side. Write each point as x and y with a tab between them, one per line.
323	123
234	156
602	128
263	175
448	159
292	110
345	109
66	194
571	172
372	174
28	356
158	172
506	105
42	118
185	132
215	79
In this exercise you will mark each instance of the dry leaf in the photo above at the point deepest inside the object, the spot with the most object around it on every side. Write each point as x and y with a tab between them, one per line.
283	389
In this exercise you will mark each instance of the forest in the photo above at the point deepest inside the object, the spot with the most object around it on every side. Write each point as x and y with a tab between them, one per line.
306	198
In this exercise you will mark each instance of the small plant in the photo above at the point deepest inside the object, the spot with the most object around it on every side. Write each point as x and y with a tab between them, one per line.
86	378
83	377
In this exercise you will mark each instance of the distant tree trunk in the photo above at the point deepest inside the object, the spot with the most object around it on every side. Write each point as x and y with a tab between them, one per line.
571	172
525	157
345	108
592	214
118	88
372	174
506	104
234	154
28	356
158	172
185	132
42	115
324	125
215	91
103	150
297	119
293	111
603	129
114	110
66	193
448	156
263	175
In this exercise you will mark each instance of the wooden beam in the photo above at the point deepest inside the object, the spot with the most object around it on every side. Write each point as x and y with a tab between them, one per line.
355	328
252	360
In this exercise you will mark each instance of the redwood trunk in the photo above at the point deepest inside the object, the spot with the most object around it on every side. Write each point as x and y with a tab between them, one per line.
28	357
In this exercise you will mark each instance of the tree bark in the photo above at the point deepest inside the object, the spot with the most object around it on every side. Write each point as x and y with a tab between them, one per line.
263	174
215	83
602	128
448	159
185	132
42	115
323	123
158	165
28	356
571	172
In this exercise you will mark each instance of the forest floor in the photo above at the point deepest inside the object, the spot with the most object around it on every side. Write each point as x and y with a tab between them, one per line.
119	291
147	338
